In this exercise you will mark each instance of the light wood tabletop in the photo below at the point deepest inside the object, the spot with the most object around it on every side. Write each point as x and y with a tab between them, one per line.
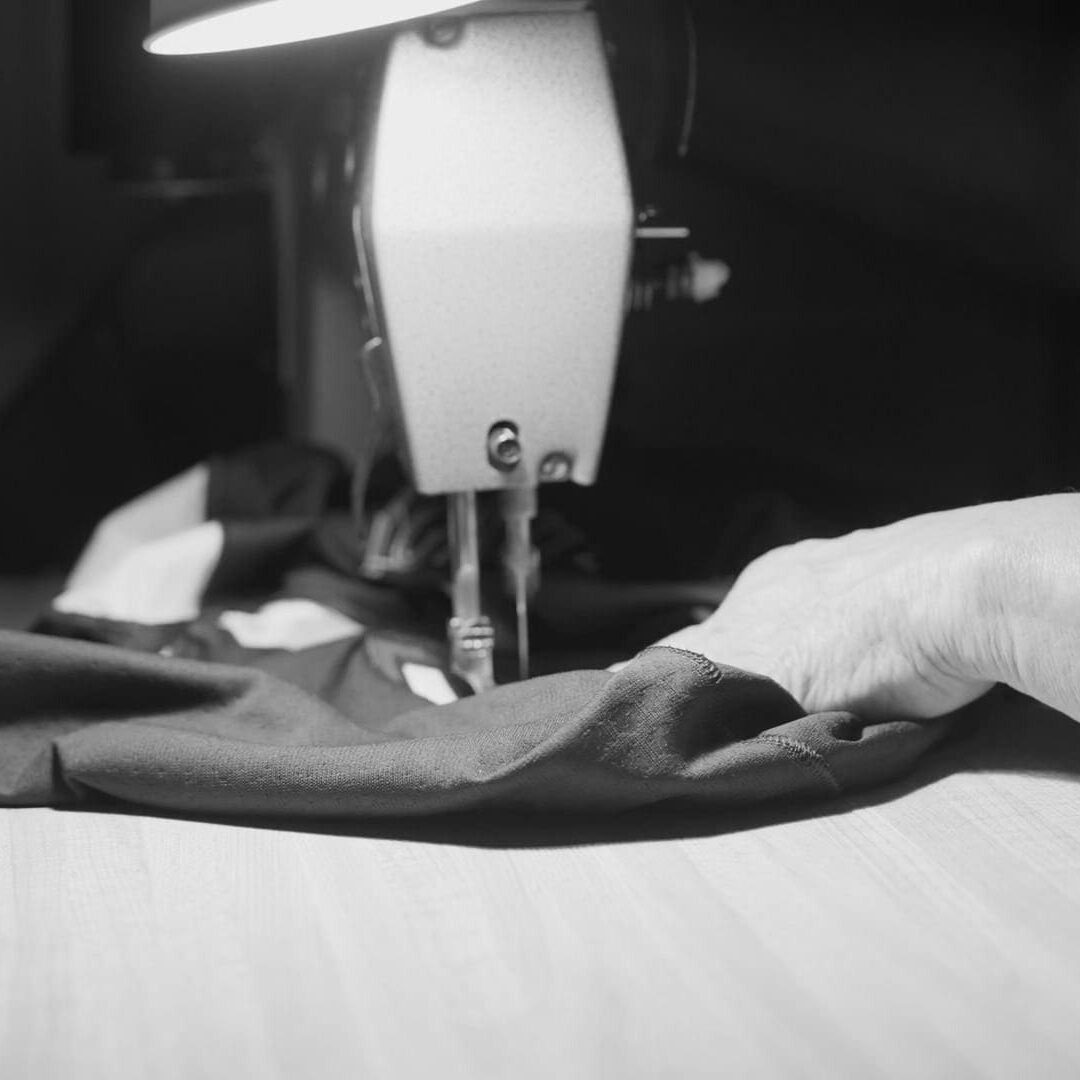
930	929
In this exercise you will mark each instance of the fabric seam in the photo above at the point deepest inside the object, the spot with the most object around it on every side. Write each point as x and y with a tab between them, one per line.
805	756
704	665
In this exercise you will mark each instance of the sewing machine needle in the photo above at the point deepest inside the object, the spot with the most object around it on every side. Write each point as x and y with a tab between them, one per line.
521	563
521	604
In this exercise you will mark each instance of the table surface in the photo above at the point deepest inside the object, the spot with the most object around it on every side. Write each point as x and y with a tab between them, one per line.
927	929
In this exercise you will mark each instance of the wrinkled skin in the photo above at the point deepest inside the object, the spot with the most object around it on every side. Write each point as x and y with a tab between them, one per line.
917	618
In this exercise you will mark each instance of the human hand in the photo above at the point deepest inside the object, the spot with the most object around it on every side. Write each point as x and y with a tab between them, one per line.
914	619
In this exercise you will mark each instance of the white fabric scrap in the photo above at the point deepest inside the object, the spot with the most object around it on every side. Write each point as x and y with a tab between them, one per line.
292	625
154	583
169	509
429	683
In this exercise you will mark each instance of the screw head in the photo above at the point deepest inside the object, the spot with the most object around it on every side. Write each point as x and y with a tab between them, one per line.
556	468
504	447
444	32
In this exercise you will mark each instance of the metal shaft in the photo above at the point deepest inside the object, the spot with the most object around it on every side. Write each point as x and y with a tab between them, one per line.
521	563
470	633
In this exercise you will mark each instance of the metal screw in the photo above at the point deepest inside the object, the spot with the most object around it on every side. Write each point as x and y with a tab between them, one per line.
556	468
444	33
504	447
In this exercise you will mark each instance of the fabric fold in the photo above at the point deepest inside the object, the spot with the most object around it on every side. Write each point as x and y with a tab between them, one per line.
83	720
288	685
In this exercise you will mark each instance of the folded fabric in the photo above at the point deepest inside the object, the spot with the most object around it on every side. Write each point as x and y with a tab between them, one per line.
82	720
218	650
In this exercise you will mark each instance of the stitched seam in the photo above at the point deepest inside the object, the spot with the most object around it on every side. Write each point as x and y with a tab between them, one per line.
803	754
708	670
704	665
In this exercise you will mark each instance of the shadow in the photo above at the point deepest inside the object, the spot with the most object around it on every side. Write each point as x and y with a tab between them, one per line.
1003	733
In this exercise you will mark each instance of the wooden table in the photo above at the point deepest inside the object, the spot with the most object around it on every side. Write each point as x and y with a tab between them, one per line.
931	929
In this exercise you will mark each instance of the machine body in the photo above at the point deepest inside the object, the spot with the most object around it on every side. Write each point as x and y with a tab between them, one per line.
493	223
493	229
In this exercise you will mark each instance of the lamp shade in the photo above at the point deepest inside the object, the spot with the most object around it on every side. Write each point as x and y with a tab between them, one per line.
208	26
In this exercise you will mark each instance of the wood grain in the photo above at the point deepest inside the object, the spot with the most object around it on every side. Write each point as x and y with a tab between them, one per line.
929	930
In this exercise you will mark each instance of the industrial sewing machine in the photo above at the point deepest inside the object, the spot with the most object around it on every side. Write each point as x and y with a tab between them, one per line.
493	228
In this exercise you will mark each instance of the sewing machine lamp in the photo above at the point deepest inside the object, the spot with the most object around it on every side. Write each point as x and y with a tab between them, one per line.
186	27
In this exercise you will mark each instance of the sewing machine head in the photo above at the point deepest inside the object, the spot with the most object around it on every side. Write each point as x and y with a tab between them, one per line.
493	227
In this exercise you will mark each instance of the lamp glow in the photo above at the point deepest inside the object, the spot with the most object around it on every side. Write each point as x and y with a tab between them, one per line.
181	27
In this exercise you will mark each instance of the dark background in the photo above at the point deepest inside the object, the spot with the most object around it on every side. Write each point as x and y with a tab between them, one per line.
894	186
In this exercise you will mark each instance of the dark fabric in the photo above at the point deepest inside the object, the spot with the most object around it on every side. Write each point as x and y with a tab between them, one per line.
81	720
186	717
276	480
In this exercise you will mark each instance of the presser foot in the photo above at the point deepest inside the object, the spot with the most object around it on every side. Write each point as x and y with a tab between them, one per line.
472	650
470	635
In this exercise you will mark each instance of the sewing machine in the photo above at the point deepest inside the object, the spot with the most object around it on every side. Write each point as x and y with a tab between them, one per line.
493	228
